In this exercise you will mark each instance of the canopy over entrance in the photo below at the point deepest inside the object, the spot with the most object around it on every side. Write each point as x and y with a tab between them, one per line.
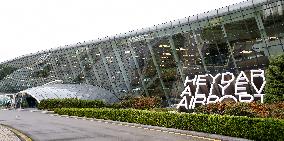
81	91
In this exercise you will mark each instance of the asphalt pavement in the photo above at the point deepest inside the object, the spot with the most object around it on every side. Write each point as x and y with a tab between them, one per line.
47	127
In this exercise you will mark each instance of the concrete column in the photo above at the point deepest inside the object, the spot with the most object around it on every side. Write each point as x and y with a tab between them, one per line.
177	60
159	72
54	66
71	66
280	12
78	56
230	48
107	71
262	32
62	70
95	71
280	8
199	47
121	66
141	77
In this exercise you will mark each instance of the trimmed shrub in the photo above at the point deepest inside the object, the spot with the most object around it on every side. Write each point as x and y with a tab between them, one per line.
274	110
274	89
50	104
129	102
138	103
236	126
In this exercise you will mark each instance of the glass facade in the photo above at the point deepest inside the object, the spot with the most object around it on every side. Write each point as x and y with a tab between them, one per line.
156	60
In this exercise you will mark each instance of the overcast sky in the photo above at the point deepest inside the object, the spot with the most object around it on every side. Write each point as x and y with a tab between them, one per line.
28	26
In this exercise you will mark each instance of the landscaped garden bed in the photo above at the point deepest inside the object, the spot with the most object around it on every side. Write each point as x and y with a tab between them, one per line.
261	110
235	126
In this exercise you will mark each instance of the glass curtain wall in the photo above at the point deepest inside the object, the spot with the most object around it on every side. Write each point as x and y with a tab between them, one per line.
155	61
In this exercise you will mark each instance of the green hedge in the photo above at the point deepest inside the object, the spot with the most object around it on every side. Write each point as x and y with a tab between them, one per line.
235	126
132	102
51	104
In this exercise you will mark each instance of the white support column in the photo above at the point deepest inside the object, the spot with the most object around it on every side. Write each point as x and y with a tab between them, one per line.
199	47
177	60
159	72
230	48
62	70
54	66
141	77
95	71
121	67
107	71
78	56
71	66
263	34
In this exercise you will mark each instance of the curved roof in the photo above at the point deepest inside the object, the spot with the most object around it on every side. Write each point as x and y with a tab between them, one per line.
81	91
4	100
198	17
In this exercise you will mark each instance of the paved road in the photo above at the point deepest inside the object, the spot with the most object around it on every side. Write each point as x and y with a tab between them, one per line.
46	127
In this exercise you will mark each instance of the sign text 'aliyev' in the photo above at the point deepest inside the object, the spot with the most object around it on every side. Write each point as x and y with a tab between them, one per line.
240	88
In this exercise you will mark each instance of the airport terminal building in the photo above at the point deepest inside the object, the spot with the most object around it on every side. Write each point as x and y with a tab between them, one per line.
155	61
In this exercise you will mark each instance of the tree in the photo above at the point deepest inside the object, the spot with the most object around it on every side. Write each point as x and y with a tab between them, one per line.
274	88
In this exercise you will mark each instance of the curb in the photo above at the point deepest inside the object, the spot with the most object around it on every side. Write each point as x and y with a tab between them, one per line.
19	134
46	112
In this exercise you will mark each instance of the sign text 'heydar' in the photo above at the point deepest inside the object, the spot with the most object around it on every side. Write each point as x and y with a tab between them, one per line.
240	88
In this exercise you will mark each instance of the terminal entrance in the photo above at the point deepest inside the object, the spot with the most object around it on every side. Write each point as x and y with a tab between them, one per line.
25	101
31	102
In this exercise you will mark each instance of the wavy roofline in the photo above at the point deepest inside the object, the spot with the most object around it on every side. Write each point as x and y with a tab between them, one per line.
211	13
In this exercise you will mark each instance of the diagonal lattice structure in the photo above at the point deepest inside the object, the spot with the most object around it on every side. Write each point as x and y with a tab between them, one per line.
155	61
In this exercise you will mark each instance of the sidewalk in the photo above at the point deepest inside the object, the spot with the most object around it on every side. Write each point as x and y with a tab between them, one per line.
7	135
